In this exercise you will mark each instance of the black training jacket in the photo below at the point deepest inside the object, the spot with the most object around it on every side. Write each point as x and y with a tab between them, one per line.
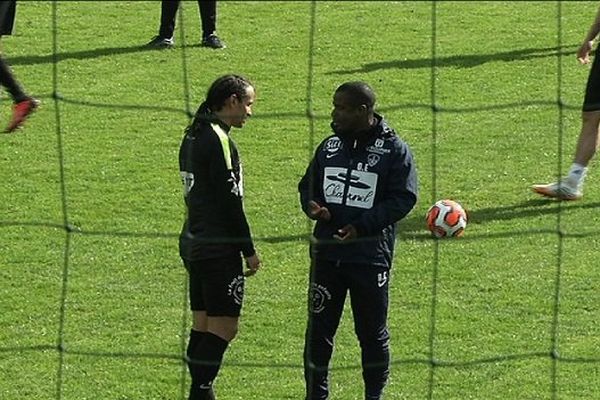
369	182
211	173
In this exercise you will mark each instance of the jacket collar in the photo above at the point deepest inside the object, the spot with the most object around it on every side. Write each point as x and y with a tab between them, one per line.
364	136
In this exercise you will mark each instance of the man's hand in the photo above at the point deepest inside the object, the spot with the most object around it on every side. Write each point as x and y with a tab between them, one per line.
252	264
346	233
583	53
315	211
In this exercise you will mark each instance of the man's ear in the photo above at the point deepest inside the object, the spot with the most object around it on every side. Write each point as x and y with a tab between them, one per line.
230	101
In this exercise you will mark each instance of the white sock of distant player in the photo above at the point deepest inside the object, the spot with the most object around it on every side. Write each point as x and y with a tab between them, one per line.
576	175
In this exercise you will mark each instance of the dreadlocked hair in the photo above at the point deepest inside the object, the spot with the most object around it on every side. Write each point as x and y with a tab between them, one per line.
220	90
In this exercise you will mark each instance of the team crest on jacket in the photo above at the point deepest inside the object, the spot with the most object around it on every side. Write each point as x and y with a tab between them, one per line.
373	159
378	147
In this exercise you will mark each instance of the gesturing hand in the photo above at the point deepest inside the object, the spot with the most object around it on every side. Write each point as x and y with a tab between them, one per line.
583	53
346	233
315	211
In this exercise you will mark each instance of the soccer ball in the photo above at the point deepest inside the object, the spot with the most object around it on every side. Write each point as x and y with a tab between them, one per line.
446	218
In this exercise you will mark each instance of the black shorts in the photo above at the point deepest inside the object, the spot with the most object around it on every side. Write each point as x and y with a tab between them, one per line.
7	16
216	286
591	101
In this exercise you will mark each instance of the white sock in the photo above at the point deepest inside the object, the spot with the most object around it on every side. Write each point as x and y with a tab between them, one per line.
576	175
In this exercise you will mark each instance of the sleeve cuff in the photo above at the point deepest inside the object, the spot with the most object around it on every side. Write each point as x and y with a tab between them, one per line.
248	250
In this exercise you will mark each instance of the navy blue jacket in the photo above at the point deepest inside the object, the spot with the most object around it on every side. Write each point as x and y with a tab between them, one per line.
369	182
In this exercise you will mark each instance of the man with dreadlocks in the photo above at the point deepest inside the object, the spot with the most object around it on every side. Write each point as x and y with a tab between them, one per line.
360	182
215	234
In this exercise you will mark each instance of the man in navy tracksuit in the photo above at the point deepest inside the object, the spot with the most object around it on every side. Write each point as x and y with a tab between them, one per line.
361	181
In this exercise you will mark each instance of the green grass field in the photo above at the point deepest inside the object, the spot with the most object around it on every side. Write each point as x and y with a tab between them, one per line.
489	309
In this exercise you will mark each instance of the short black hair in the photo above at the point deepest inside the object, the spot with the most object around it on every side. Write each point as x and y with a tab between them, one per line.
361	93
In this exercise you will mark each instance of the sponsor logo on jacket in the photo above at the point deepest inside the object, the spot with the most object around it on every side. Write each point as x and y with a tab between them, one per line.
360	187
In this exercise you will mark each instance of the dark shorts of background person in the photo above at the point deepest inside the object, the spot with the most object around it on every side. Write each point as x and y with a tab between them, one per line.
591	101
7	16
216	285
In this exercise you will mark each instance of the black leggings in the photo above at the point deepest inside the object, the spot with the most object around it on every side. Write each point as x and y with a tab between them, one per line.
208	16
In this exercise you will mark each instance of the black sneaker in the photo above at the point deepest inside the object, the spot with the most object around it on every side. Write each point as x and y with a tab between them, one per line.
213	42
159	42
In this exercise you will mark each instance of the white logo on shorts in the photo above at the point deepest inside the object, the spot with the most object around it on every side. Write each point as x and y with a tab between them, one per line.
236	289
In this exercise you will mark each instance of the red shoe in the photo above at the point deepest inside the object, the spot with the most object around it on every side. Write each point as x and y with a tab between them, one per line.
21	111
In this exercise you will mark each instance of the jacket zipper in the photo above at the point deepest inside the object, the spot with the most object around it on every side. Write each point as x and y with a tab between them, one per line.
348	172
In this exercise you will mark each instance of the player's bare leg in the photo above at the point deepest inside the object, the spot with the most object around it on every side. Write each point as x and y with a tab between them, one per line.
571	186
587	145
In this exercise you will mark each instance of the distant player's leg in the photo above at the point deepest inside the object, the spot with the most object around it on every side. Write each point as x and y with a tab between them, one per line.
23	105
369	299
326	299
7	16
587	146
571	186
168	14
8	80
208	17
